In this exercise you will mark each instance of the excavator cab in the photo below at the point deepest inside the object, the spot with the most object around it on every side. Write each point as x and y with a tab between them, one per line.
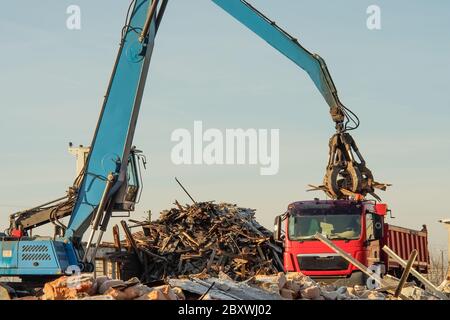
130	192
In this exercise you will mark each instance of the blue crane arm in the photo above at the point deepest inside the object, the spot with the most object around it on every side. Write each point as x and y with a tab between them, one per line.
112	141
342	146
111	145
313	64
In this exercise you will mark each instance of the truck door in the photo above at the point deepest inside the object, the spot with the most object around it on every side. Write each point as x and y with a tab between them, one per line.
374	234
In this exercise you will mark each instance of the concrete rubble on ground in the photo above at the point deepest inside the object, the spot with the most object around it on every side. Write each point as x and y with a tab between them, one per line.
288	286
291	286
219	251
86	287
4	293
281	286
445	287
211	252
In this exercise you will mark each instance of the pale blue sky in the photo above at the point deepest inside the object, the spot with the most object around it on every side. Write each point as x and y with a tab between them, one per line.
208	67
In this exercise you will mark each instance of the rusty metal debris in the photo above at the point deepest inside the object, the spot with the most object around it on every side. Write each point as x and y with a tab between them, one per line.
205	237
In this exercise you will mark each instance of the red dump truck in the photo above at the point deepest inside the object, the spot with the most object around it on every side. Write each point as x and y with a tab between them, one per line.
358	227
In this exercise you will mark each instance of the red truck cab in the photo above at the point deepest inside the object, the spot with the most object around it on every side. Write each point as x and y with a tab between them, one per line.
357	227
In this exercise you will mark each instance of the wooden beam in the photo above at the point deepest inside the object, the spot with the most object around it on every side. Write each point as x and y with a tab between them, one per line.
130	240
406	272
350	259
116	236
431	287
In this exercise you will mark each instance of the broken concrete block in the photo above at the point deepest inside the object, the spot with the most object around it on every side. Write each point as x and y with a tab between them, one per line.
333	295
208	297
312	292
119	291
153	295
292	285
360	291
223	276
374	295
179	293
116	294
416	293
136	291
164	292
329	287
131	282
101	297
288	294
445	286
270	287
359	288
101	280
279	279
4	294
109	284
82	283
27	298
222	286
167	291
364	294
58	290
296	277
342	290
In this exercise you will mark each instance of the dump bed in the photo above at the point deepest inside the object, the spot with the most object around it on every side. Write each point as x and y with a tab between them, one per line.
402	241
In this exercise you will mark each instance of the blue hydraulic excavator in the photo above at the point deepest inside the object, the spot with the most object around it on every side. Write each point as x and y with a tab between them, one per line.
110	179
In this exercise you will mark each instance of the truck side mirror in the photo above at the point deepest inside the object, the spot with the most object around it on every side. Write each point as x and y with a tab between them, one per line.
378	229
277	229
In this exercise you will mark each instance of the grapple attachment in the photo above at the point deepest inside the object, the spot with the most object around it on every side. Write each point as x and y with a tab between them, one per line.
346	175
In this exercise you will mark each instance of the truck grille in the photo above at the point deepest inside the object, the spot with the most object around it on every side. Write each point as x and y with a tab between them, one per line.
315	262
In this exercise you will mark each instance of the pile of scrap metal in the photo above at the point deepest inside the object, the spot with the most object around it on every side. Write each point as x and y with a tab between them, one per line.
204	238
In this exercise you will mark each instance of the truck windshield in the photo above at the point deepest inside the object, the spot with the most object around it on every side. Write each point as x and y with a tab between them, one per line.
334	226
